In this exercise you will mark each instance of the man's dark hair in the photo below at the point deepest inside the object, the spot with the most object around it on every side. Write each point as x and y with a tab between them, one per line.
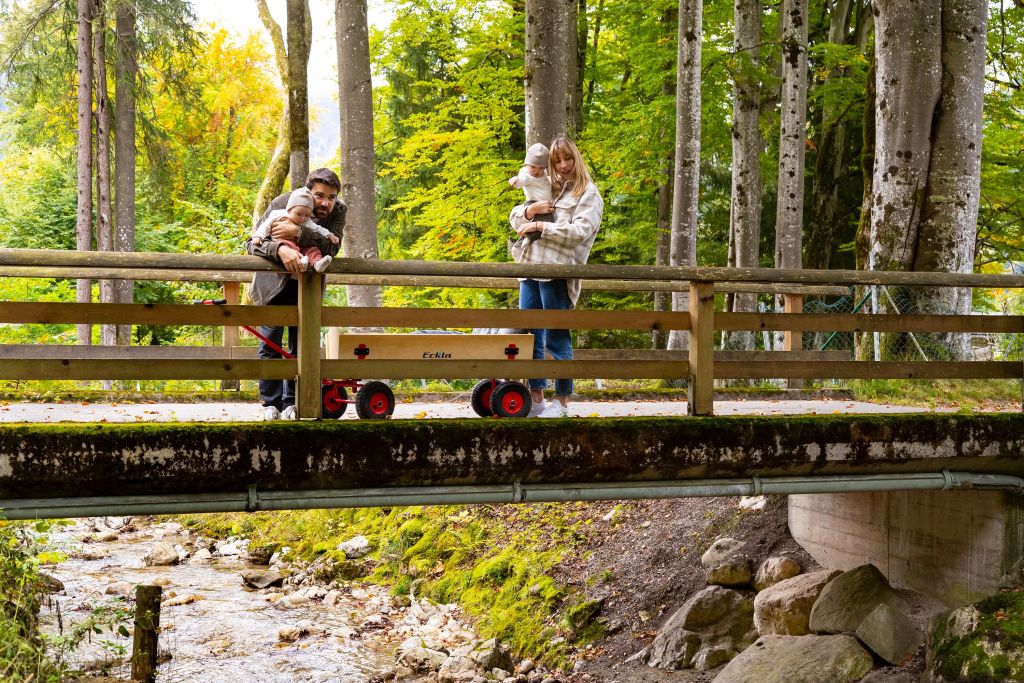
325	176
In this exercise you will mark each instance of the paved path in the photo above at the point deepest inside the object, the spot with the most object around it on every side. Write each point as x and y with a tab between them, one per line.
459	407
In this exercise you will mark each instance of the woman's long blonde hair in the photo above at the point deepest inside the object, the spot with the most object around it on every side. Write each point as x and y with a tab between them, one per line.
580	178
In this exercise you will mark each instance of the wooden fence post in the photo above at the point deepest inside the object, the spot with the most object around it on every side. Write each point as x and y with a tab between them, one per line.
793	341
230	337
700	395
307	384
147	626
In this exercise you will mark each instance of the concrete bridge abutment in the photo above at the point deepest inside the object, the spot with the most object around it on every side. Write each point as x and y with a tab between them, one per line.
952	545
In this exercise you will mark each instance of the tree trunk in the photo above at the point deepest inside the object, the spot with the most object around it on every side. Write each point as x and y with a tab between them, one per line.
949	216
686	179
355	99
577	56
104	226
589	97
908	43
930	82
663	196
277	170
745	207
299	30
789	213
546	78
83	219
125	69
517	134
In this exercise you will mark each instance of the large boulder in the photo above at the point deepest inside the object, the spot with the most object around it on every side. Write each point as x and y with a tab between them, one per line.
734	572
421	655
847	599
799	659
979	642
161	555
259	578
785	608
711	628
472	659
775	569
355	547
721	549
889	634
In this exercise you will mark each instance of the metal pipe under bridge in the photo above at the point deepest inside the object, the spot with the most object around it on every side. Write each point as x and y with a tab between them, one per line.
74	469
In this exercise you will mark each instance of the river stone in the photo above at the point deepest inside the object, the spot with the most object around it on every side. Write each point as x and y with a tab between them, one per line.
355	547
734	571
105	536
48	583
889	634
849	598
799	659
775	569
202	555
258	578
176	600
785	608
720	550
422	659
161	555
289	634
711	628
122	588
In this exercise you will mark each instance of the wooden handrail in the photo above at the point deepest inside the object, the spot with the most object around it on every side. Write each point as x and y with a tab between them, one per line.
449	269
698	364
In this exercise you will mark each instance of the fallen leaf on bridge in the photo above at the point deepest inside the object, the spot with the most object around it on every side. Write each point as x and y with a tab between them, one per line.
420	415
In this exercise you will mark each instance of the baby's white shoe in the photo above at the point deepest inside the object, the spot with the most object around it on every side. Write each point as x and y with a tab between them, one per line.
304	262
322	264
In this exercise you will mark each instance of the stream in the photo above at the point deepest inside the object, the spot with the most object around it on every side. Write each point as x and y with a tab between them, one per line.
230	632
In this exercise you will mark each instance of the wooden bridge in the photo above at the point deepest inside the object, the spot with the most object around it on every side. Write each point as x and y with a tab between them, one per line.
614	458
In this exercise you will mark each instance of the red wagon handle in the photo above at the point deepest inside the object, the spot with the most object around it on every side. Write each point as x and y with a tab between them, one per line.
221	302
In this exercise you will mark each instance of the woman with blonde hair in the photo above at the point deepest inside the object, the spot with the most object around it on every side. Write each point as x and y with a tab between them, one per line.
577	208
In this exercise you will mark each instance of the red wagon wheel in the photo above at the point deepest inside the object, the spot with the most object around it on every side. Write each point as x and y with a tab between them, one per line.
375	401
511	399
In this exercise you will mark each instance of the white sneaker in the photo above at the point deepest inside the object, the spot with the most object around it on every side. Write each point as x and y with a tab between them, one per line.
555	409
271	413
304	262
288	413
322	264
537	408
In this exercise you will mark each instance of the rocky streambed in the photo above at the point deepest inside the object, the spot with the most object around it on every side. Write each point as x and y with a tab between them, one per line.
225	617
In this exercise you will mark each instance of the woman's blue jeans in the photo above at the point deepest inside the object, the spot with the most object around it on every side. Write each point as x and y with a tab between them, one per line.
553	295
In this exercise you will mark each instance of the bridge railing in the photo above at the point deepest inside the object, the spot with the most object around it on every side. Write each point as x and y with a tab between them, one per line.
699	364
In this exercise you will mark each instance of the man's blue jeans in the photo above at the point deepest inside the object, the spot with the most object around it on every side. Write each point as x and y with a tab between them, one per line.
553	295
276	392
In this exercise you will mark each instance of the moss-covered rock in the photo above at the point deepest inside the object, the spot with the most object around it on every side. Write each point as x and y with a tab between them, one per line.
978	643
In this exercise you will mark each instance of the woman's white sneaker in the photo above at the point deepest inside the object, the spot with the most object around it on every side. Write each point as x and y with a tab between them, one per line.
288	413
271	413
555	409
537	408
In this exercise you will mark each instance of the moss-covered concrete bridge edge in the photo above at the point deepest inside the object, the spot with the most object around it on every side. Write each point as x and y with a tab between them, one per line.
56	469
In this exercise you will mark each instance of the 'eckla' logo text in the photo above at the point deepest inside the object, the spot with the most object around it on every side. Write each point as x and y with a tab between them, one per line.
436	354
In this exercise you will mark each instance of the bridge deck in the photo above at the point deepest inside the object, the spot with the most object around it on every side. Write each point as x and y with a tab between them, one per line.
45	468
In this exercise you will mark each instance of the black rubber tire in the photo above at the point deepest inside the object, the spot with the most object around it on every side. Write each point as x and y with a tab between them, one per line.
331	400
511	399
375	401
480	398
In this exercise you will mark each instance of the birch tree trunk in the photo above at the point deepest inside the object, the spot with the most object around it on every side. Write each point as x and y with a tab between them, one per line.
930	83
686	179
789	211
355	98
299	39
745	206
277	169
83	218
104	223
125	69
546	77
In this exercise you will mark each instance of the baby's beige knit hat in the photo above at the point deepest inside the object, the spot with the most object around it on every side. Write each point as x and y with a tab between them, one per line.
537	155
300	197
